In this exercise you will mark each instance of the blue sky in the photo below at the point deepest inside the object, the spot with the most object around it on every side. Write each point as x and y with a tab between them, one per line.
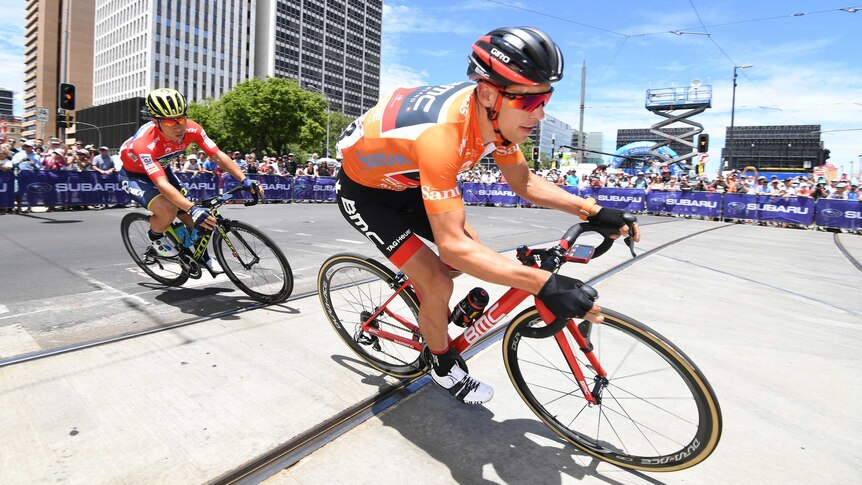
806	68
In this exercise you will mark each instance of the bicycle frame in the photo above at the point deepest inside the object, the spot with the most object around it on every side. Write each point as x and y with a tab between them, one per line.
492	316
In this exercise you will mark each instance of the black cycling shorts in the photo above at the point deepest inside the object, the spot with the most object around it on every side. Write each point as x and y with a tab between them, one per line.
389	219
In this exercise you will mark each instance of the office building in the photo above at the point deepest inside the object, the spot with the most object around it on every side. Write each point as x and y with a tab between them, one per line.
329	46
6	99
49	58
200	48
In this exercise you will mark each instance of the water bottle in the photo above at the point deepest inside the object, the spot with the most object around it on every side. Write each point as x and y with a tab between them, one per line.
183	234
468	310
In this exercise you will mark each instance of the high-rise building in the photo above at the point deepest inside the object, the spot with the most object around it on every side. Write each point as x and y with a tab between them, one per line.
201	48
58	47
6	99
550	134
593	142
330	46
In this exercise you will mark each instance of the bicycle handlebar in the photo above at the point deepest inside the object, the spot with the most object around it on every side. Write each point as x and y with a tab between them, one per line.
221	199
554	258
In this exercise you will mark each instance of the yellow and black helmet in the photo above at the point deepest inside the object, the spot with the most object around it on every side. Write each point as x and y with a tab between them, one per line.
166	103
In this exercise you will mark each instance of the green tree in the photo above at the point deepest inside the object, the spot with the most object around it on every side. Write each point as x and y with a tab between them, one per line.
271	114
205	113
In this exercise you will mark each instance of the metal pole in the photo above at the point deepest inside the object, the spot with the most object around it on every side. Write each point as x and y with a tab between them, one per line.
98	131
729	143
581	123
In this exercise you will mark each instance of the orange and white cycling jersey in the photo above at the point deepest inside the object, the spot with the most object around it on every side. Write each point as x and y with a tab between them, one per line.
420	137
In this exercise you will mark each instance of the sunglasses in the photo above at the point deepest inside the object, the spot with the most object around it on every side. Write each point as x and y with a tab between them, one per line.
174	121
527	102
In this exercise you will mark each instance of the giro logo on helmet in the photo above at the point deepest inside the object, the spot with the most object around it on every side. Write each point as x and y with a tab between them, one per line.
499	55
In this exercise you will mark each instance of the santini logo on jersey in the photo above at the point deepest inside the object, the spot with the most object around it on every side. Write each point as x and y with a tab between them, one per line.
429	194
380	159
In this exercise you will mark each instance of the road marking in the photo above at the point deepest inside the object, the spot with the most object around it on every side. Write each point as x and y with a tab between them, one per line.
351	241
300	233
110	289
4	309
25	313
16	340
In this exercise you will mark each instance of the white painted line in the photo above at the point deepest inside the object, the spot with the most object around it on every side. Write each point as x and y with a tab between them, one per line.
540	227
300	233
111	289
351	241
4	309
16	340
25	313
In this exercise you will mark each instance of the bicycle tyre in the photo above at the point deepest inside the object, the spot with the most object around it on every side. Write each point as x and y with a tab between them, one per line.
684	424
349	284
268	281
133	228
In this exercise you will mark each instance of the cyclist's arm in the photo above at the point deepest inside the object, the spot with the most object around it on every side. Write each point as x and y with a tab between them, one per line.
540	191
171	193
465	254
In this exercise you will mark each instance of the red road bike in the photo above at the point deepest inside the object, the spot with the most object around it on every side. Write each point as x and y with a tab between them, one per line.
618	390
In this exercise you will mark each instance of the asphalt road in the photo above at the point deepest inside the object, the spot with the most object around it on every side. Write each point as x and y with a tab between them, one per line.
67	278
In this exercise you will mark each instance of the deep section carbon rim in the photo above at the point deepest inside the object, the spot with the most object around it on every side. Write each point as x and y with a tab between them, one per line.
134	228
657	411
351	289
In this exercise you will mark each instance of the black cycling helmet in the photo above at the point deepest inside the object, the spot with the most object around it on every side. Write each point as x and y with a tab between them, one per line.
166	103
515	55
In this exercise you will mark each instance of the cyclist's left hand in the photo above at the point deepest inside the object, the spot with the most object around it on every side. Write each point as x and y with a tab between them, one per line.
253	186
613	218
202	217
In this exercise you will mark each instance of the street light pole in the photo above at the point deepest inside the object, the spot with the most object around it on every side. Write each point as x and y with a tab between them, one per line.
94	126
729	156
328	116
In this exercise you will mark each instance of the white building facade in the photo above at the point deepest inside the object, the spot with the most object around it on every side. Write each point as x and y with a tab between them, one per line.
201	48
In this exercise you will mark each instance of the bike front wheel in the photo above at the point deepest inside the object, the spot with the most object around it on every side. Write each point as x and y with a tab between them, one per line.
351	289
254	263
167	271
657	412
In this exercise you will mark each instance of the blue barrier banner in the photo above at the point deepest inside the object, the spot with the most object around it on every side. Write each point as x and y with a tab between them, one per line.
497	194
568	188
201	186
7	190
790	210
841	214
314	189
705	204
50	188
626	199
275	187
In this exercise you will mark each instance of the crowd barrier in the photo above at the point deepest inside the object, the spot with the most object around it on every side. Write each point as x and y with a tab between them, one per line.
47	188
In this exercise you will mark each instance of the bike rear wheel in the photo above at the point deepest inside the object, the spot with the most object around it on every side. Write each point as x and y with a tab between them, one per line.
167	271
351	289
254	263
657	410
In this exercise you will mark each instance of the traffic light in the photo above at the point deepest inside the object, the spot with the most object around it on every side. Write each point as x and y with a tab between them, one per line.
702	143
67	96
535	153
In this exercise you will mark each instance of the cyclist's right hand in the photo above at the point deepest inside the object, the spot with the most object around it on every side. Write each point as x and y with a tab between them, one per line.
202	217
570	298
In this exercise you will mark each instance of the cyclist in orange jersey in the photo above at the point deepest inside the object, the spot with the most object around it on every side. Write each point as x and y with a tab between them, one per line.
398	181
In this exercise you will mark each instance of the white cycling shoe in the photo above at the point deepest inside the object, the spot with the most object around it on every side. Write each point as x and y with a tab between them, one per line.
213	265
463	387
165	248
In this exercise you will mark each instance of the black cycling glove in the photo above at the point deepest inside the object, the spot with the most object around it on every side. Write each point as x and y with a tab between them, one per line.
608	217
567	297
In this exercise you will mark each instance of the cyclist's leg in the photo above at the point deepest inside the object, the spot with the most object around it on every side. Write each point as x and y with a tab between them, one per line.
391	220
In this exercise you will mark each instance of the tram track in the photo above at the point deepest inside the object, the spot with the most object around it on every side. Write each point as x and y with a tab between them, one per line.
65	349
292	451
846	253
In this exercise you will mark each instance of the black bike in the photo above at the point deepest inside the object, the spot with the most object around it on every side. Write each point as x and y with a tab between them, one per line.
251	260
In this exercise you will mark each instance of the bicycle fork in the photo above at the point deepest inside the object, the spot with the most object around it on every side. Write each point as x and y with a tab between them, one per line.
581	334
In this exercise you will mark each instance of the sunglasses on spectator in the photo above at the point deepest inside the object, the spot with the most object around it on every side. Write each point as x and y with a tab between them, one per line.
180	120
528	102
